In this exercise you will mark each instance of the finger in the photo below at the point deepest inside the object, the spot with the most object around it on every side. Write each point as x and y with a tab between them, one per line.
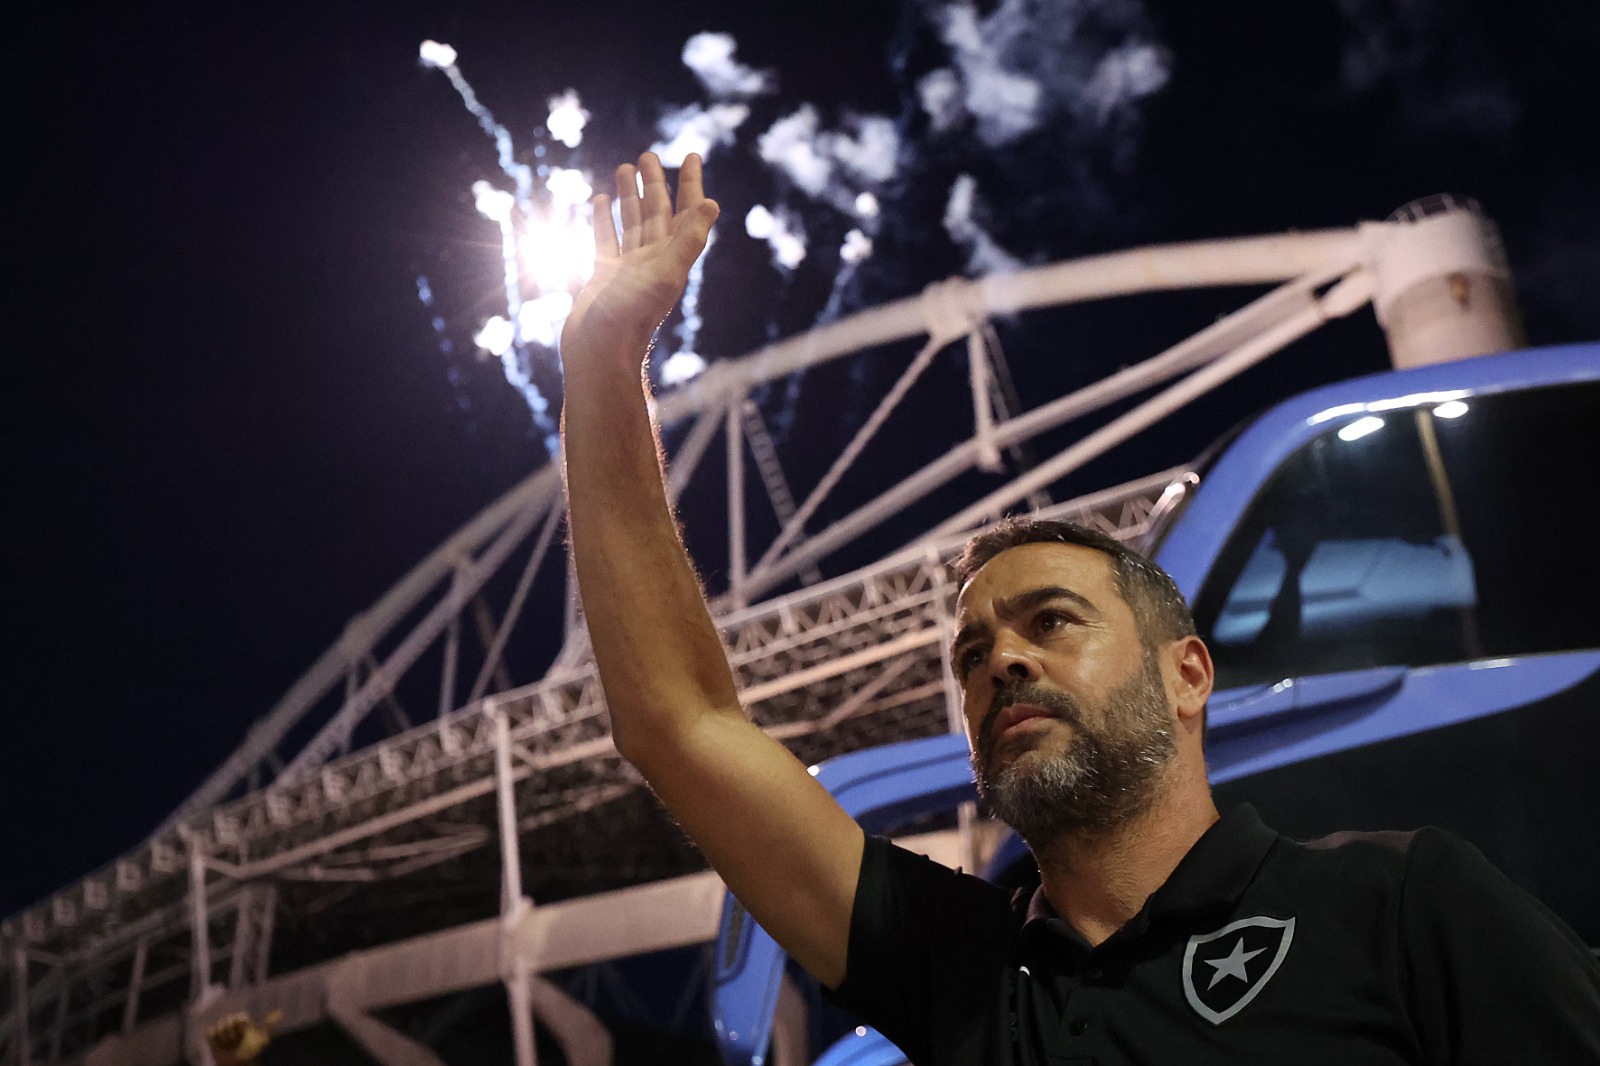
605	228
628	202
275	1017
657	201
692	228
691	188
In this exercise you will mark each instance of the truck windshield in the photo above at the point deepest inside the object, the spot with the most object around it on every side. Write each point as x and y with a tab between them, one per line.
1445	533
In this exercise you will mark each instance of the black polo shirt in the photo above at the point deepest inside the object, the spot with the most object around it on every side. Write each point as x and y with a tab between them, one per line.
1360	948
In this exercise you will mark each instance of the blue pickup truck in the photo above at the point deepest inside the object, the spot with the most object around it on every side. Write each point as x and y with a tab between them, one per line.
1399	580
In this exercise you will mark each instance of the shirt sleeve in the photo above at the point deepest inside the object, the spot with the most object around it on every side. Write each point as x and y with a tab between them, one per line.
1491	974
927	946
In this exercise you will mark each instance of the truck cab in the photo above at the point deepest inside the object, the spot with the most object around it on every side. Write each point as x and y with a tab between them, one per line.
1397	580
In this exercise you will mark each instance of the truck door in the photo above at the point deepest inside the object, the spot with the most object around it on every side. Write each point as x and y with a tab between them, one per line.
1406	627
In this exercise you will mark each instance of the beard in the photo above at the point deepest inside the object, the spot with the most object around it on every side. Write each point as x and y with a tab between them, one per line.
1105	776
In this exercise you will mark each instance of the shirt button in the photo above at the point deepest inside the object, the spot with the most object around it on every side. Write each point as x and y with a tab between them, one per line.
1077	1026
1094	973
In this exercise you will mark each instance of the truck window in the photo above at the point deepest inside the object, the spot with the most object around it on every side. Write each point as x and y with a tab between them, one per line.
1441	533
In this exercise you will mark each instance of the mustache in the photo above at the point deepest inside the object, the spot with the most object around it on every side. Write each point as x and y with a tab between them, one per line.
1033	694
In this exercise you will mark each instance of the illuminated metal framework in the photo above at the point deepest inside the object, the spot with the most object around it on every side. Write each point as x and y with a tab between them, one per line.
291	879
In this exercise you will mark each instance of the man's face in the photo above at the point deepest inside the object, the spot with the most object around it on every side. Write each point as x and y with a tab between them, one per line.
1066	710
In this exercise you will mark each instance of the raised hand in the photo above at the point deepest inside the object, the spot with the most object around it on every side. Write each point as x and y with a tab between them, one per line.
237	1039
639	277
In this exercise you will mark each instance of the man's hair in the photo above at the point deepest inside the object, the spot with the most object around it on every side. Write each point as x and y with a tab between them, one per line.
1158	607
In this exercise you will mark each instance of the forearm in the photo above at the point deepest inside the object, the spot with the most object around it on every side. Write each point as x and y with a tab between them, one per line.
660	659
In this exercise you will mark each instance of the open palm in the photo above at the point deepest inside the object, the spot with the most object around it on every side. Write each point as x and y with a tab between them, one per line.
639	277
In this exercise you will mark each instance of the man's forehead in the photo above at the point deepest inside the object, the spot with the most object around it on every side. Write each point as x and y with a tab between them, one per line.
1017	571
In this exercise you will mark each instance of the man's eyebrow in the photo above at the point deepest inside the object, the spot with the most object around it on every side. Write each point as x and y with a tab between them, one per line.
1021	604
1026	601
967	634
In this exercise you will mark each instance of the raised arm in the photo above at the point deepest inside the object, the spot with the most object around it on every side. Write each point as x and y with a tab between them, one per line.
782	844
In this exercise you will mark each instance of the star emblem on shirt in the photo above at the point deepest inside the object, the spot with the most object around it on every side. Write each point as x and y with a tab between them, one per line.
1233	964
1250	949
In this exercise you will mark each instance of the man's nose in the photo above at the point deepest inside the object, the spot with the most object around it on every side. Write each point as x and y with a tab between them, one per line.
1010	664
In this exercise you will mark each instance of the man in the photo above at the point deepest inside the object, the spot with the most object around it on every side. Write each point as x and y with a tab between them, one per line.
1160	932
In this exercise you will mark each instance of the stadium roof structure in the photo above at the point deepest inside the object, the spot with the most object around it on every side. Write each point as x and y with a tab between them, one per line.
504	837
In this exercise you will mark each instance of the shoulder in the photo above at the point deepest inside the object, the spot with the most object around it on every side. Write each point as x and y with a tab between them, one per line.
1340	860
1414	862
928	945
907	903
889	868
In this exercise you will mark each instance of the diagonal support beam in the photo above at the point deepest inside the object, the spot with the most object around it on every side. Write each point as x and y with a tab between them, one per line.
326	742
495	648
1221	337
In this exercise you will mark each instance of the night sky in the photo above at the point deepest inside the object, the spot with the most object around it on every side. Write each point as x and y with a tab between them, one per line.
229	424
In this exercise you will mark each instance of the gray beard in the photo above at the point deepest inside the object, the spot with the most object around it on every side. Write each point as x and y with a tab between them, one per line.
1106	775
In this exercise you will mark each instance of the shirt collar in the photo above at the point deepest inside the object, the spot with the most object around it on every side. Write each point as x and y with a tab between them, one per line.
1212	875
1218	868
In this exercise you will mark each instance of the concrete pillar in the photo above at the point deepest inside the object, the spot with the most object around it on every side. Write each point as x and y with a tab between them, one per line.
1441	286
514	968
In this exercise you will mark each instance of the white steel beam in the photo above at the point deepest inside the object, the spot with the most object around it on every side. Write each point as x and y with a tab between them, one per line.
497	648
869	429
130	1006
1219	338
1238	261
558	936
199	926
584	1039
21	1033
733	432
687	458
387	1046
1352	292
361	634
514	970
382	682
452	656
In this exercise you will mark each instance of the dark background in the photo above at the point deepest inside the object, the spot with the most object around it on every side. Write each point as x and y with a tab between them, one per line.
228	424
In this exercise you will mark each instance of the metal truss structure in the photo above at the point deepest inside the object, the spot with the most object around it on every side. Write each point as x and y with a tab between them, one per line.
504	838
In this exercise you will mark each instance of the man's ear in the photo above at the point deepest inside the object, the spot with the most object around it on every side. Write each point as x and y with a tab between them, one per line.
1191	677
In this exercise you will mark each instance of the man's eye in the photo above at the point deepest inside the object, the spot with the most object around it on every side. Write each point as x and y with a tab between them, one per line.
969	659
1049	621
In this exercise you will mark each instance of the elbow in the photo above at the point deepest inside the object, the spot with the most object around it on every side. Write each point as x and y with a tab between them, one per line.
623	739
652	741
641	742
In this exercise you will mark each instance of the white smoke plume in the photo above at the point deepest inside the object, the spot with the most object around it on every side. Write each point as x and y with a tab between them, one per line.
984	254
697	129
844	170
731	84
783	232
702	128
1446	78
1028	63
790	145
710	57
1064	76
1128	72
832	166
